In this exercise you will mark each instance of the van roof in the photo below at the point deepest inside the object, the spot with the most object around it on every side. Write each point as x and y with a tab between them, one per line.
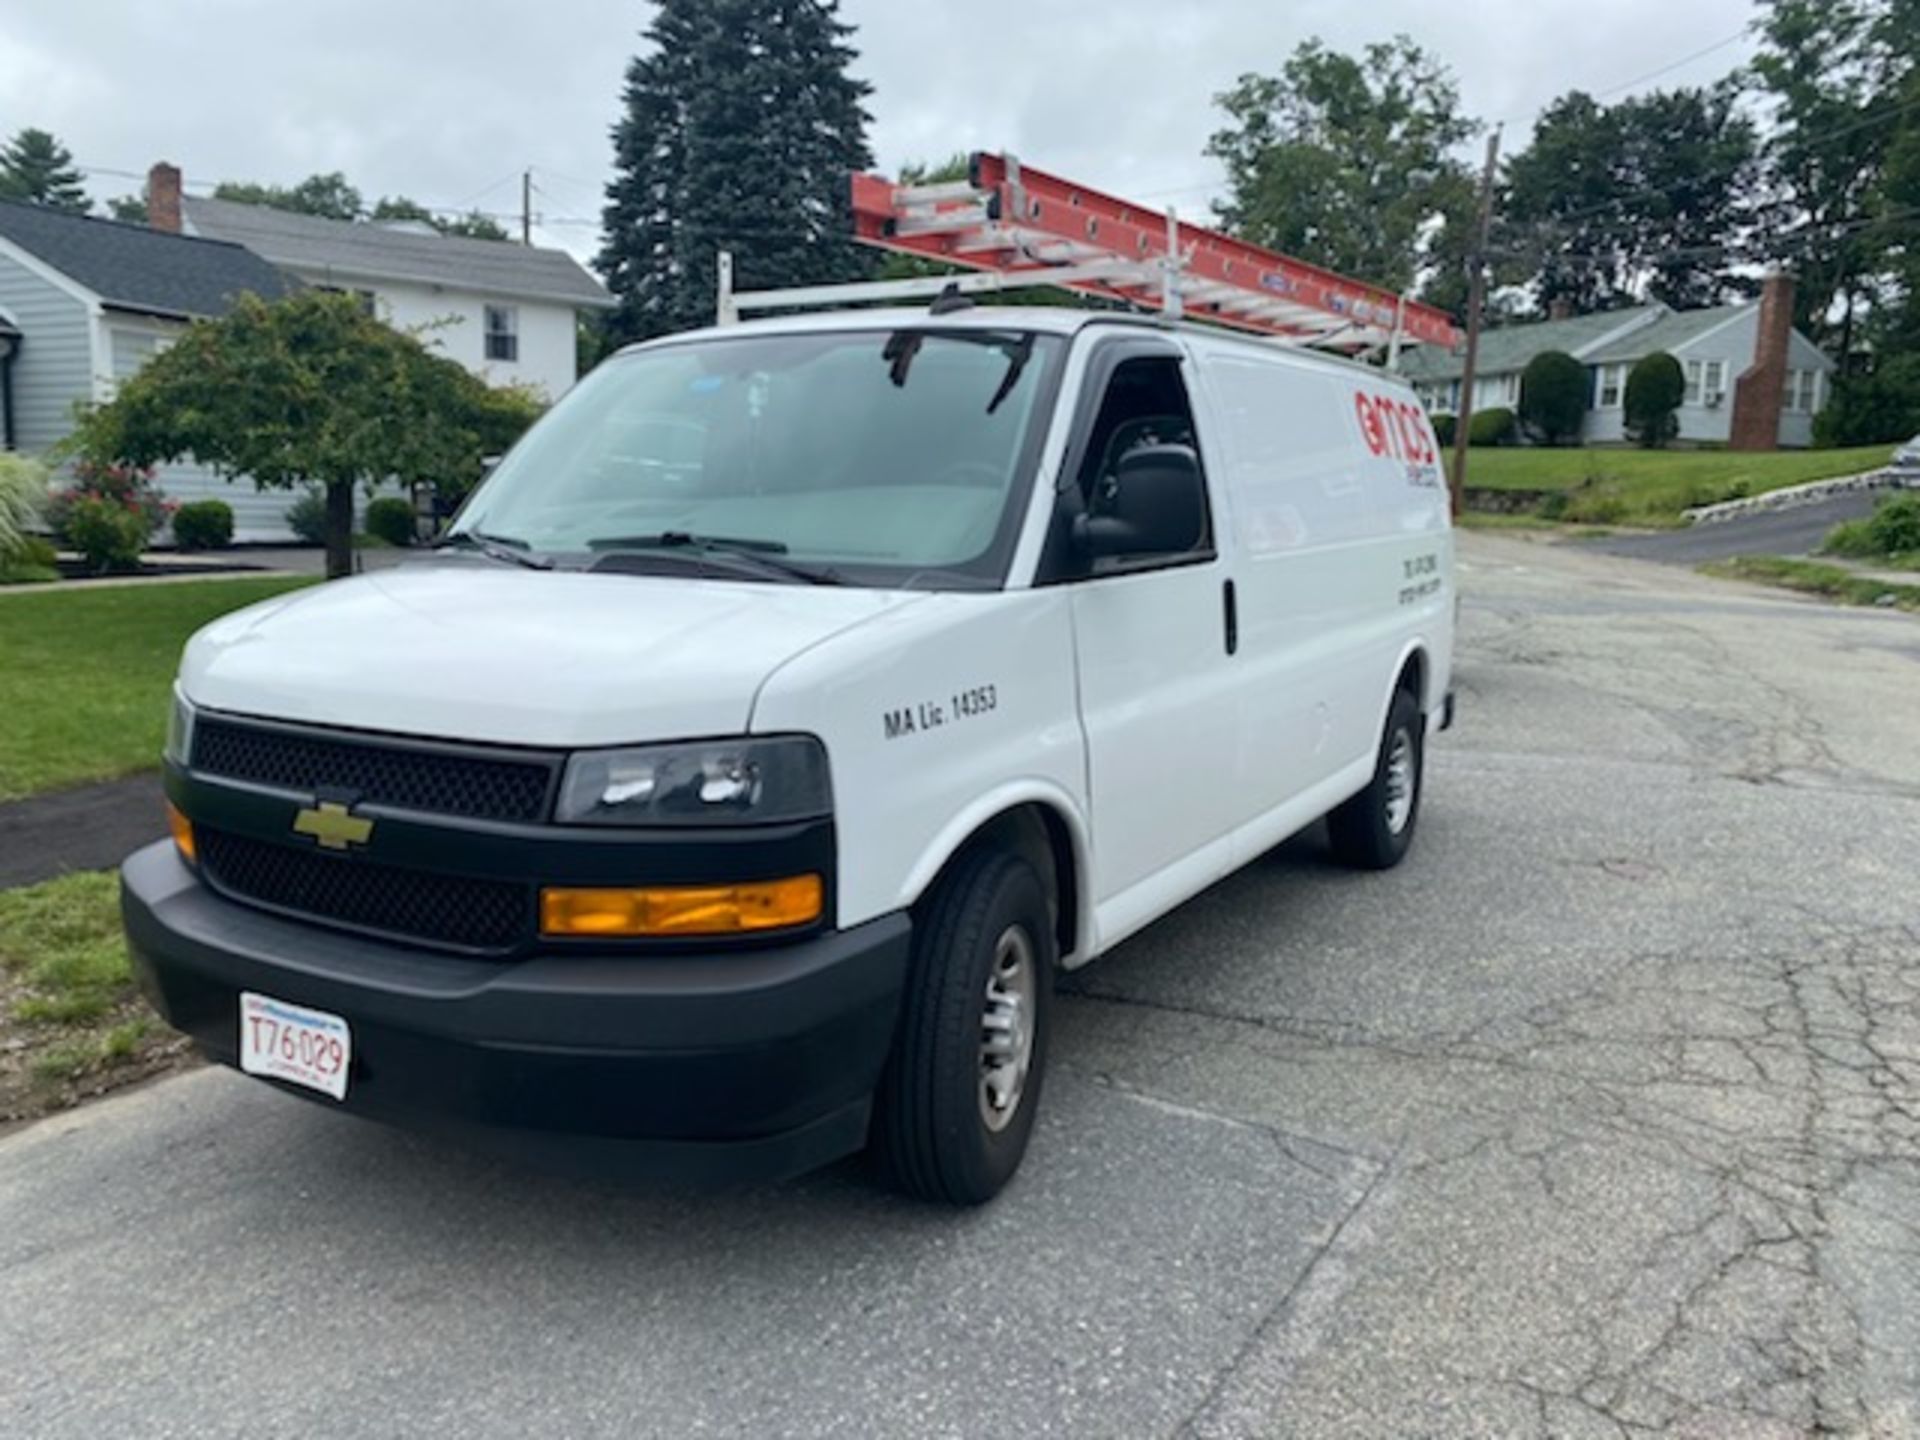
1043	319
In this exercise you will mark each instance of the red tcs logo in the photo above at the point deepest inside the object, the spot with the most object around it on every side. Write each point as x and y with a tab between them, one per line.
1395	427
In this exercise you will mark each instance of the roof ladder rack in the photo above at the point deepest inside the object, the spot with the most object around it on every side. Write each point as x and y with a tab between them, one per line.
1013	226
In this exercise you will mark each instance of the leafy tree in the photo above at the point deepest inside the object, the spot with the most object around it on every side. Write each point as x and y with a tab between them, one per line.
128	209
328	196
39	170
473	225
1655	387
1553	397
740	129
1346	160
1835	71
308	390
1610	205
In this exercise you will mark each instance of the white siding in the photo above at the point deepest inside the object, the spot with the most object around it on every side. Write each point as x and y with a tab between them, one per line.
454	323
54	366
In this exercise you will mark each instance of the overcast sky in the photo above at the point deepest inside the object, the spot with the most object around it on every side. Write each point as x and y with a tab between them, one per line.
446	100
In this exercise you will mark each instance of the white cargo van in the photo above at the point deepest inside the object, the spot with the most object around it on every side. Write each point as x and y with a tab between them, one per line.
789	706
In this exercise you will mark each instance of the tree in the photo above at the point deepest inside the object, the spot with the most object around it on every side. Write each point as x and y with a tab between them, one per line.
37	169
1346	161
328	196
128	209
1553	397
740	129
1651	198
473	225
1655	387
302	391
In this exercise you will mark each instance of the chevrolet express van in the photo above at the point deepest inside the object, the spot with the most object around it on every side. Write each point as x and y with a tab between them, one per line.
788	707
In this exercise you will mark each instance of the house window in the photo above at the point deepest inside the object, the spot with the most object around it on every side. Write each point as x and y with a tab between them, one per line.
1810	391
1706	381
1611	380
503	333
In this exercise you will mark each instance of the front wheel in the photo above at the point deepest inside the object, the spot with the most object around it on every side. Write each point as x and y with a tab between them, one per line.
1374	830
956	1104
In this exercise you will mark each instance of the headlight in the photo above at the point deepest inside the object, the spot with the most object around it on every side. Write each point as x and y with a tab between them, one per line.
710	782
179	729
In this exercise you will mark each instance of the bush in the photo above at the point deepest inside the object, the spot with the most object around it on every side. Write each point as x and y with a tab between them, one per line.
1553	397
203	525
108	536
390	519
307	518
1892	529
1596	508
1445	427
127	488
23	499
1878	409
1492	427
1655	388
1552	506
29	562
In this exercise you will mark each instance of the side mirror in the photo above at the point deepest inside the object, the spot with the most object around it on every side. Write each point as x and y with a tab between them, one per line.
1156	504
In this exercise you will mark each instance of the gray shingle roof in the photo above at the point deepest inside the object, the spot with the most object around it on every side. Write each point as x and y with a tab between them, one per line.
1676	328
1509	347
133	268
351	250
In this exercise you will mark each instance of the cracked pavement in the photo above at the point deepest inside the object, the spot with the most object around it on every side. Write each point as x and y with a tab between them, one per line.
1600	1116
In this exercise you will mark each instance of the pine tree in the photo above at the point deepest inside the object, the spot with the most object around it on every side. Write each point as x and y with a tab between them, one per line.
742	126
38	169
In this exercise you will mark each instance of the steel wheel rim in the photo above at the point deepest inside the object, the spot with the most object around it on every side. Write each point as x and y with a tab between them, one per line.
1006	1028
1400	782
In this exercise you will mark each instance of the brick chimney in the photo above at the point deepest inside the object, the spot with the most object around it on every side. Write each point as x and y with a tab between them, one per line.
163	197
1758	394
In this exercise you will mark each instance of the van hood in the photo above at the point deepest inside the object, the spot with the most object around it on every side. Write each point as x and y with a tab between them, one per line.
520	657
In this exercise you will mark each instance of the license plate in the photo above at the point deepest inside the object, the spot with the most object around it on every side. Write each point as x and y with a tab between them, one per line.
294	1044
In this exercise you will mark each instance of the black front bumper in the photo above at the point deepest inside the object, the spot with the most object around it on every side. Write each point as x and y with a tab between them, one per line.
705	1066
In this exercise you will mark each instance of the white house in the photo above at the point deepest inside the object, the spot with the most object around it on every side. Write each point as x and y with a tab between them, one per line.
508	312
1715	348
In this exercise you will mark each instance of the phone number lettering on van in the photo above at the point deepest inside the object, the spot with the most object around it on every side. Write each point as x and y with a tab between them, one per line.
933	714
1422	574
1398	429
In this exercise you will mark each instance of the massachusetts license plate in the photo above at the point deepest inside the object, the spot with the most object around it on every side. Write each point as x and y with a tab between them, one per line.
294	1044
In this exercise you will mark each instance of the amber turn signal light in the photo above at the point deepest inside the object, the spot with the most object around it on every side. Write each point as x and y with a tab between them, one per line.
182	832
682	909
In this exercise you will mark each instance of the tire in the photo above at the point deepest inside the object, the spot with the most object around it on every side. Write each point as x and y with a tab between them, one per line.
1374	830
941	1131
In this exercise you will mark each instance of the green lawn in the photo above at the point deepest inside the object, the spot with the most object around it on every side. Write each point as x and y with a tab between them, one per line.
1810	577
1652	487
84	673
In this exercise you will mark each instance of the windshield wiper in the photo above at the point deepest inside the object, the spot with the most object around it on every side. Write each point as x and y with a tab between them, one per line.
722	552
1017	359
506	548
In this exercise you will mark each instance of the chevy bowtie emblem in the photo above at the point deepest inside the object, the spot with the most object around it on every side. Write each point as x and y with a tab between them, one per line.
334	826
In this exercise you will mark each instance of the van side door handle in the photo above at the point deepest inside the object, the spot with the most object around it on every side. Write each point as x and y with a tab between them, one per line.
1231	605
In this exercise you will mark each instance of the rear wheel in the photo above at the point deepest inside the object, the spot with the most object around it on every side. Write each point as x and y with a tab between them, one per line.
1374	830
956	1104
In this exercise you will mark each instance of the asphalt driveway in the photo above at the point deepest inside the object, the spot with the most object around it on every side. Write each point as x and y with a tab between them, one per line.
1797	530
1601	1114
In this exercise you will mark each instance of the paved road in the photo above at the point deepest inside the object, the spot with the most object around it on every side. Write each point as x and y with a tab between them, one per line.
1796	531
1602	1113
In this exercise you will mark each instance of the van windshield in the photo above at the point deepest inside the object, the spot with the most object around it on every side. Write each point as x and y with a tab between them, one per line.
873	457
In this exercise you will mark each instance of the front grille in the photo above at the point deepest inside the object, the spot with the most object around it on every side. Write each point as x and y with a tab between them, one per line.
455	910
377	772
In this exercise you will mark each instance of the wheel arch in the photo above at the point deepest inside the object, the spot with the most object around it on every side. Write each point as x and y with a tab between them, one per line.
1413	672
1038	822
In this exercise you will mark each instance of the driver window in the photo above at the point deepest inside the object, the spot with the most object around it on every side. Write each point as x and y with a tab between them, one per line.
1145	404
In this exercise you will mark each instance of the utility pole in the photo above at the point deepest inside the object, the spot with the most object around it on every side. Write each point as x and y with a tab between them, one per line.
526	206
1476	302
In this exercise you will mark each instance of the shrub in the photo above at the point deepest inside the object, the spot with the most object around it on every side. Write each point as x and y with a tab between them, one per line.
1492	427
307	518
1655	387
128	488
203	525
108	536
31	561
1445	427
1878	409
23	498
1596	508
390	519
1552	506
1553	397
1892	529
